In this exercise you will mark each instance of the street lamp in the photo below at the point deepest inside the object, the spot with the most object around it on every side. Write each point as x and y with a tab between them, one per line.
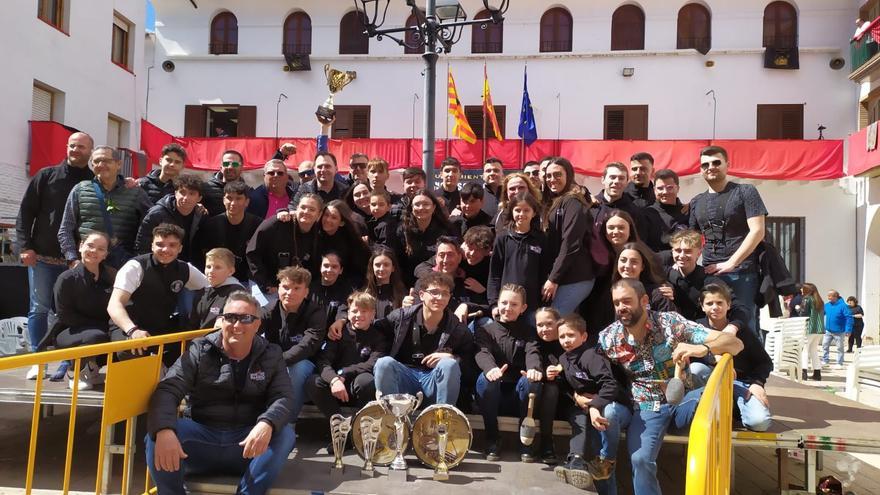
438	26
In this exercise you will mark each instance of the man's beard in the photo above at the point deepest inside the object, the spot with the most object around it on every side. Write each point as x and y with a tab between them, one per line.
631	316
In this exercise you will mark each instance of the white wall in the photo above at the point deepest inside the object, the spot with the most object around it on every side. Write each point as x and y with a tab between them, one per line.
673	82
78	64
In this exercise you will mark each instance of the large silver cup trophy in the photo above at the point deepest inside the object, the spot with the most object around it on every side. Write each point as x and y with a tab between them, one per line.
370	430
400	406
339	428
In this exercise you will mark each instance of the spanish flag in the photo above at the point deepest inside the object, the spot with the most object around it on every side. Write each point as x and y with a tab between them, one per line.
488	107
462	128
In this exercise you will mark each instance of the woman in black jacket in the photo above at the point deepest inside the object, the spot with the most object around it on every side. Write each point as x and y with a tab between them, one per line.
384	281
357	198
423	222
81	297
637	261
569	233
342	233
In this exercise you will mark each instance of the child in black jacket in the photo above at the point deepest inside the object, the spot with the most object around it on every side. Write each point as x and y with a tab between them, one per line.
209	302
344	368
511	364
596	395
547	323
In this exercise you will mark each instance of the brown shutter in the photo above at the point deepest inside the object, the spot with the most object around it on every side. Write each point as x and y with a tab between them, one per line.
360	122
636	122
780	122
614	123
194	121
863	115
793	123
247	121
474	115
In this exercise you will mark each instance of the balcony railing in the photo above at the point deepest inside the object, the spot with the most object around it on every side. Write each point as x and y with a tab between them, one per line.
862	49
296	48
222	48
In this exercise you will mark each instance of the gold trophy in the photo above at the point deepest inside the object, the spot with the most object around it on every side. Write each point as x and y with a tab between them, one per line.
339	428
336	80
370	430
441	472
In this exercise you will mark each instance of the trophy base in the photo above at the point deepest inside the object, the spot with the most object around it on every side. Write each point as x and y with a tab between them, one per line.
337	474
368	473
398	475
441	475
325	115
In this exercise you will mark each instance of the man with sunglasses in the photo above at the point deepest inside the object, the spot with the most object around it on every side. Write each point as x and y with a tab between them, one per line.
533	170
306	171
275	193
325	185
357	166
731	218
239	396
231	167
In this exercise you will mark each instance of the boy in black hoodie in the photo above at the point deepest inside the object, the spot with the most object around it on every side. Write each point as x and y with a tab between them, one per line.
345	367
219	269
299	326
596	394
511	364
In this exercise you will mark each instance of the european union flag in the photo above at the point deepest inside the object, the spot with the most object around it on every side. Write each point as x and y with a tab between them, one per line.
528	129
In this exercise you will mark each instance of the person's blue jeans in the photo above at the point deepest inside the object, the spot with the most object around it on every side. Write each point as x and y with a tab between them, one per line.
754	415
211	450
745	286
506	397
829	337
439	385
605	443
570	296
700	373
299	373
41	282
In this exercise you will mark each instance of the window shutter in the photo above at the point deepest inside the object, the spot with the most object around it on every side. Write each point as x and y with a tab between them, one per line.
41	106
793	123
474	115
863	115
113	130
780	122
636	122
194	121
247	121
614	124
360	123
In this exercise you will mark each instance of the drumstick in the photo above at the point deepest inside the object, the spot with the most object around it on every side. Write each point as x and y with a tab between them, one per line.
528	428
675	387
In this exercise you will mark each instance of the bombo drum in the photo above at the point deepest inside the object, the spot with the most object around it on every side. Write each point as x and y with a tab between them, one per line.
425	436
385	452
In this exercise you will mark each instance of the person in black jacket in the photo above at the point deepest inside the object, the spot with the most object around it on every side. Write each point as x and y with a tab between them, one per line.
428	345
344	368
448	260
239	398
511	367
668	208
209	302
641	188
342	233
299	326
36	231
638	262
470	212
424	221
382	226
231	230
325	185
231	167
615	179
547	325
160	182
181	209
330	290
596	395
752	366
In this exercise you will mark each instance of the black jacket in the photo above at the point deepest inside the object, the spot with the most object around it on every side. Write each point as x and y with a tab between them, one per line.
212	194
587	371
218	232
80	302
551	353
514	344
259	199
752	364
165	211
569	235
384	231
460	224
456	339
336	192
687	296
332	298
207	375
276	245
209	304
520	259
42	207
642	197
775	279
647	221
355	353
300	334
155	188
424	246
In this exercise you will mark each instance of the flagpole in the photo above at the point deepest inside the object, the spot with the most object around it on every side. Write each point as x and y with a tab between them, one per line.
485	141
522	147
446	144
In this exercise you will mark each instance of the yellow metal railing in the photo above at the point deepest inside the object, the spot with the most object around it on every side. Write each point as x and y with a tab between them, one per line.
710	444
127	391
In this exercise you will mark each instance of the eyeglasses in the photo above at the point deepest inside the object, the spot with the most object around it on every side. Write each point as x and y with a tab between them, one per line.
533	173
307	173
233	318
231	164
440	294
713	163
358	165
275	173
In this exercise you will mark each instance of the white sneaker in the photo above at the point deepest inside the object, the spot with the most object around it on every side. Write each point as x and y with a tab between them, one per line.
34	372
839	367
88	377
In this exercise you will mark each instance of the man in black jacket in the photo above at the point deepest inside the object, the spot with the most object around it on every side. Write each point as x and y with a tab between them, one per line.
36	229
429	343
615	179
232	230
668	209
160	182
640	188
231	167
181	209
239	397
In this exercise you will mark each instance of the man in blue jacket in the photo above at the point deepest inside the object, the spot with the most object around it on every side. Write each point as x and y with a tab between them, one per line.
838	324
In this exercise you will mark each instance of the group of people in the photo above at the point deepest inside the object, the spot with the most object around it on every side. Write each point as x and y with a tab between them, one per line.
332	287
832	322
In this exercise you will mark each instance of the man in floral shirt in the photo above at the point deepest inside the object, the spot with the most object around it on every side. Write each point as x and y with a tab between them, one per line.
646	345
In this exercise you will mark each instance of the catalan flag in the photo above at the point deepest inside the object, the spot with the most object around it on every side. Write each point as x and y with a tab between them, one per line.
488	107
462	128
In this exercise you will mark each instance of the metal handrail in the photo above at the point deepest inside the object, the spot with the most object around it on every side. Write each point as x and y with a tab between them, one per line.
710	443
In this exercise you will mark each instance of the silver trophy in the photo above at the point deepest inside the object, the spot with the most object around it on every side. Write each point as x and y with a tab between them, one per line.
339	428
370	429
400	406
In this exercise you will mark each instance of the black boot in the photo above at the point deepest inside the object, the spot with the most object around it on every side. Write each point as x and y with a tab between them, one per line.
804	375
817	375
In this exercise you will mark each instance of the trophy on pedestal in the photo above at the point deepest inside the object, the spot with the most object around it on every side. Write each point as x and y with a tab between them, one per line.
336	80
339	428
400	406
370	430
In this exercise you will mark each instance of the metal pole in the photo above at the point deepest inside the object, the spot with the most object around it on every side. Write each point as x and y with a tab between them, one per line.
430	57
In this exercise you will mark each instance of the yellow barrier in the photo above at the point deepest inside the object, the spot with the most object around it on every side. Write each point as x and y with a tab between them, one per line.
710	444
127	391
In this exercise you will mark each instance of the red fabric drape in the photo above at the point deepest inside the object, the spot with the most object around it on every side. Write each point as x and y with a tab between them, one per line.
48	144
785	160
859	159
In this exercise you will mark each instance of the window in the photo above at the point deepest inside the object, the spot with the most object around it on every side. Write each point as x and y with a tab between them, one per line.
297	34
626	122
411	38
787	234
224	34
488	40
352	38
119	52
474	115
45	104
780	26
780	122
628	28
694	28
220	121
352	121
53	12
556	26
117	131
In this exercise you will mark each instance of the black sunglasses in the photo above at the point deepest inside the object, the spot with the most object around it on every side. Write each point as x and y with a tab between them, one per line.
714	163
307	173
233	318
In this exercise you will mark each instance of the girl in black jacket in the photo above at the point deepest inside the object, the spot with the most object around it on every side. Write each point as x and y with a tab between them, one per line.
423	222
342	232
384	281
637	261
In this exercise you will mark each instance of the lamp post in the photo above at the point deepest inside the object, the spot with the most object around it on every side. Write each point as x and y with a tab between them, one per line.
436	30
278	104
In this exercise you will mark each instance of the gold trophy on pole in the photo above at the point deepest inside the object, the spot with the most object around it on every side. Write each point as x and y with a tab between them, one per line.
336	80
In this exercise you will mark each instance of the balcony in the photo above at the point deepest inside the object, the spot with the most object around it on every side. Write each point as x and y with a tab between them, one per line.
863	49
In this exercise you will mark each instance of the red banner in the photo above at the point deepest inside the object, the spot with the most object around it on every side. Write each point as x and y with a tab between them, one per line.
859	159
48	144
